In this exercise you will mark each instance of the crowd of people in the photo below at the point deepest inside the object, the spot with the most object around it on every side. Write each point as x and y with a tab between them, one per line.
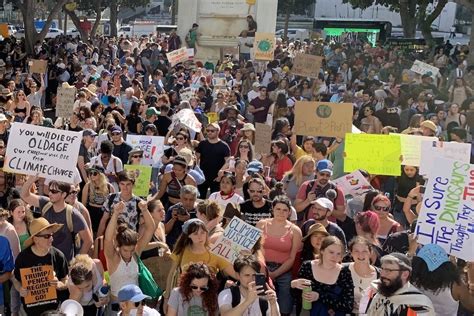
320	252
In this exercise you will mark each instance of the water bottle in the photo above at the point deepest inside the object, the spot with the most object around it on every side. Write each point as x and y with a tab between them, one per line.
103	291
307	304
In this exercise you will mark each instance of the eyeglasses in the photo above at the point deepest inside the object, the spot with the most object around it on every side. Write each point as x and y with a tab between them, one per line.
381	208
45	236
390	270
202	288
137	156
256	191
54	191
211	130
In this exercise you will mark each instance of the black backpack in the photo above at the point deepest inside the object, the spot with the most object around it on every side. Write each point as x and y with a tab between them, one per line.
235	291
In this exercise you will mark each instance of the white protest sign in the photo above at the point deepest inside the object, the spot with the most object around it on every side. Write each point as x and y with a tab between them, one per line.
411	148
65	101
187	118
177	56
423	68
152	146
449	150
187	94
447	212
238	236
353	184
47	152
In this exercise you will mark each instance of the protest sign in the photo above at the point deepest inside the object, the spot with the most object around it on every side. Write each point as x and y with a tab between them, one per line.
238	236
378	154
177	56
187	94
36	281
447	213
142	179
264	46
219	80
38	66
323	118
353	184
307	65
190	52
47	152
65	101
152	147
423	68
411	148
355	130
449	150
212	117
187	118
263	138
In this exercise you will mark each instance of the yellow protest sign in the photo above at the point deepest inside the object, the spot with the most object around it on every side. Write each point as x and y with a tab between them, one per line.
264	45
323	118
142	179
307	65
213	117
36	281
378	154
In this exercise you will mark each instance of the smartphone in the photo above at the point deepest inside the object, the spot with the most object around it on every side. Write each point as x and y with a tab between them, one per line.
422	190
261	280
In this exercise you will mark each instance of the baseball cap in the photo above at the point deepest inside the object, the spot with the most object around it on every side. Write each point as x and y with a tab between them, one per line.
324	166
152	111
131	293
433	255
324	202
89	132
429	124
255	166
116	128
256	84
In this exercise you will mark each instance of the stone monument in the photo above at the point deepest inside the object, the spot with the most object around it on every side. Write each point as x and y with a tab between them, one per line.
221	21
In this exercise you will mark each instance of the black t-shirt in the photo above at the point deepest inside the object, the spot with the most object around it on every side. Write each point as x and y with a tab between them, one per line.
121	151
252	214
55	258
4	137
109	109
162	123
212	157
132	123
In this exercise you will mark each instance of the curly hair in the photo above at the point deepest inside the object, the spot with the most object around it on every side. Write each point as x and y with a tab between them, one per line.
209	297
442	277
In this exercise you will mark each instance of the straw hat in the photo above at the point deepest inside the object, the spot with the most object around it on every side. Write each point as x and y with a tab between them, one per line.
316	228
91	89
187	154
37	226
248	127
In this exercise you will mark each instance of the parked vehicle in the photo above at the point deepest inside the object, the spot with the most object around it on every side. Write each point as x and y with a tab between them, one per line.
294	34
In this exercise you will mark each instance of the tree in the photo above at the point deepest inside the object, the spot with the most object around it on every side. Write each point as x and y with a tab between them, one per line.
114	6
91	8
469	4
425	19
288	7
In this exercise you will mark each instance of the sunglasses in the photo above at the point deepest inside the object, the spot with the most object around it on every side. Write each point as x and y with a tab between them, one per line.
211	130
202	288
180	138
381	208
55	191
93	173
45	236
244	146
74	192
137	156
2	147
256	191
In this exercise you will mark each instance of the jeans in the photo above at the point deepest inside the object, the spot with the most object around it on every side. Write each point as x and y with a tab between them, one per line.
283	289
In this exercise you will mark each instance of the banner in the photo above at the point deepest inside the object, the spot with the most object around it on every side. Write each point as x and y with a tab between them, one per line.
38	66
142	179
36	281
447	212
306	65
449	150
177	56
47	152
263	138
378	154
353	184
323	118
238	236
423	68
65	102
264	46
152	147
411	148
187	118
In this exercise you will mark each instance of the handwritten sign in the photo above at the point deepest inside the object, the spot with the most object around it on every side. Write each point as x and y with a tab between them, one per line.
447	213
152	146
263	138
36	281
187	118
264	46
422	68
38	66
187	94
411	148
353	184
65	101
238	236
142	179
378	154
177	56
50	153
307	65
449	150
212	117
323	118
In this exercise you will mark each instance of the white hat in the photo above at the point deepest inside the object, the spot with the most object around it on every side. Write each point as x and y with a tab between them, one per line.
61	65
72	308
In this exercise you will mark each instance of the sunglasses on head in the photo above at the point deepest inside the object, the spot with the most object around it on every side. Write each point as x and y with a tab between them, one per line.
202	288
381	208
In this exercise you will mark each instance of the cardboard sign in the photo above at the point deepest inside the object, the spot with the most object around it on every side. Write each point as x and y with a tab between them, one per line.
65	102
422	68
263	138
353	184
187	94
36	281
47	152
190	52
323	118
447	213
264	46
38	66
378	154
177	56
238	236
449	150
306	65
142	179
152	146
212	117
187	118
411	148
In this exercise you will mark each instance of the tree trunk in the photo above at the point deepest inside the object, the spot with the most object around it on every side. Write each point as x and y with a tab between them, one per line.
113	17
77	23
407	16
287	20
98	17
425	21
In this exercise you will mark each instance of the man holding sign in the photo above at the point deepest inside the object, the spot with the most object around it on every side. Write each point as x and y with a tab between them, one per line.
41	270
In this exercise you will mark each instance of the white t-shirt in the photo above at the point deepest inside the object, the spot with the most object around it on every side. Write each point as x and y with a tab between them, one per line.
225	300
147	311
216	196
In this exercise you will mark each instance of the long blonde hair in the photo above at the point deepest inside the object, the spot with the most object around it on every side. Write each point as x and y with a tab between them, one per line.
103	186
296	173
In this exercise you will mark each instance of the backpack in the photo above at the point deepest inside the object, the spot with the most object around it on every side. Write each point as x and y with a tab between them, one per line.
69	222
235	291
